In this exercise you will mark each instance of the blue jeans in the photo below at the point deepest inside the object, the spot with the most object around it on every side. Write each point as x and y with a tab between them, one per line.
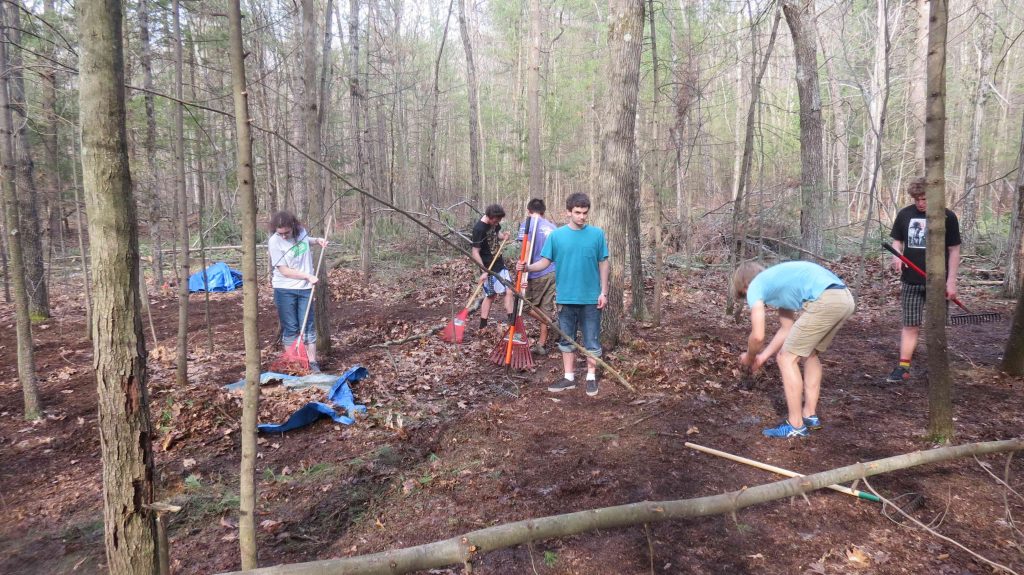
291	305
586	318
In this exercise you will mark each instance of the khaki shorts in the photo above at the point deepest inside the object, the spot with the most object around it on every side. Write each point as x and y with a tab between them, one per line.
541	293
818	324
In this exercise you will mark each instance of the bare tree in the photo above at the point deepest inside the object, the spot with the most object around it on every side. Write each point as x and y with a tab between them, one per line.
618	180
472	89
940	401
1012	283
118	345
181	374
533	102
982	89
13	224
800	16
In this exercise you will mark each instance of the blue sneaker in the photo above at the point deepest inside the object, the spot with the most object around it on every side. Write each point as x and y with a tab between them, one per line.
785	430
812	422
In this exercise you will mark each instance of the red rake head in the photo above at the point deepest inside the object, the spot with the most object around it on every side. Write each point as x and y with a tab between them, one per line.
294	361
456	329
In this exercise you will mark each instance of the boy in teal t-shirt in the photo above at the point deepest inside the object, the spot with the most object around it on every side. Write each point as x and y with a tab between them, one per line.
580	253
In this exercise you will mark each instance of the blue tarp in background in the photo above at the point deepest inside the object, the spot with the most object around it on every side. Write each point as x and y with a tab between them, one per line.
340	395
219	277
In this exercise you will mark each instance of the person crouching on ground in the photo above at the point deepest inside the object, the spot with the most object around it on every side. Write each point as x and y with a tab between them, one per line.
826	303
293	280
486	239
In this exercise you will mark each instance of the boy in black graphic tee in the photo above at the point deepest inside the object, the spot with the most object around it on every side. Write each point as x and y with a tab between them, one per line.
909	237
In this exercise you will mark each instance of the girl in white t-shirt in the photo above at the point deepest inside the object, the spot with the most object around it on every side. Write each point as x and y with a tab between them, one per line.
291	260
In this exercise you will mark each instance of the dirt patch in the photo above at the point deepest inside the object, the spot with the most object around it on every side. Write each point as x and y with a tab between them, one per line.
452	443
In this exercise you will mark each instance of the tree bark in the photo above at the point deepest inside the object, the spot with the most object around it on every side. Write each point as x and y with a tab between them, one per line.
1012	283
472	88
181	372
51	186
919	84
28	196
618	180
659	255
464	548
154	187
812	160
250	294
19	276
118	346
940	401
533	102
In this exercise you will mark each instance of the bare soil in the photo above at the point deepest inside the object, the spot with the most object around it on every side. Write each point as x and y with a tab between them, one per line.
453	443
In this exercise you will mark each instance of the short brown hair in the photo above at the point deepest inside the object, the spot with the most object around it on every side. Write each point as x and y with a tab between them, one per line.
741	278
917	187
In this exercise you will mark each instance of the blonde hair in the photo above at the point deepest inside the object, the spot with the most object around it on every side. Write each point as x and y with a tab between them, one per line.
742	277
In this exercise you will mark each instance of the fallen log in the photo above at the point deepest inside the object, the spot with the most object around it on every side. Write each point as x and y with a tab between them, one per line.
464	548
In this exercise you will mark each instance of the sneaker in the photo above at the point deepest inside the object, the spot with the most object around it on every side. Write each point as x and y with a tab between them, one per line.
562	385
314	367
898	375
539	349
592	387
812	422
785	430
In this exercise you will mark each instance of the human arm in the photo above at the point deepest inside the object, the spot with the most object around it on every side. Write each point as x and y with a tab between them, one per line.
479	260
786	320
292	273
756	338
602	270
954	267
539	264
896	263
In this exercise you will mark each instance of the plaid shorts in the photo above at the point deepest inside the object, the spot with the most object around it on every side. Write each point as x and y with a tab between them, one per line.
912	302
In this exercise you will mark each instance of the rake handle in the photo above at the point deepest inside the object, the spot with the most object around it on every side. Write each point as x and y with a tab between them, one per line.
920	271
526	250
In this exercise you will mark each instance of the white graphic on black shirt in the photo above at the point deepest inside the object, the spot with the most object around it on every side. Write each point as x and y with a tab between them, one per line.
916	233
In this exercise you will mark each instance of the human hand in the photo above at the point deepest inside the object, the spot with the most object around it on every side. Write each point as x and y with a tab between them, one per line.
520	266
312	279
759	361
483	277
322	242
746	360
896	264
602	300
951	290
503	236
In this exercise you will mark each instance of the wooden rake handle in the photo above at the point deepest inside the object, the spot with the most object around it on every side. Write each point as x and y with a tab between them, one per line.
920	271
480	285
316	272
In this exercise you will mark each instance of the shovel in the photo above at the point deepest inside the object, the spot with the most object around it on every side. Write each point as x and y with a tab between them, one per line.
958	319
456	328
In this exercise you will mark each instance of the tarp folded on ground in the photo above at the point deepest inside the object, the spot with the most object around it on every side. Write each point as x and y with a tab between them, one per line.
340	395
219	277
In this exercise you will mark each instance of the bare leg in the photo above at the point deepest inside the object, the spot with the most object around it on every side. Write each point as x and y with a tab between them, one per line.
908	341
792	385
812	384
509	301
543	337
485	307
569	362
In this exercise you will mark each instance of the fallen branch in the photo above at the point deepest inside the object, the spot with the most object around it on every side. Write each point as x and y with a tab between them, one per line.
464	548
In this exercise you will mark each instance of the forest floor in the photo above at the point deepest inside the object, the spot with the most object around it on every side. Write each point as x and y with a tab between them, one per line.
451	443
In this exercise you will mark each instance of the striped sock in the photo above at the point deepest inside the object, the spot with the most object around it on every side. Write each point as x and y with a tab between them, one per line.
905	363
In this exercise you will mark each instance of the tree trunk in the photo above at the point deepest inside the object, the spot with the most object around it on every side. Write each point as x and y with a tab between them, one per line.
356	111
812	160
533	102
981	92
940	401
475	186
919	84
156	180
250	293
181	373
51	187
28	197
22	303
323	294
618	179
118	348
659	255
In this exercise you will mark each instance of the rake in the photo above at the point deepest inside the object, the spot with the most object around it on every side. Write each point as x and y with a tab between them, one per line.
295	360
456	328
968	317
514	348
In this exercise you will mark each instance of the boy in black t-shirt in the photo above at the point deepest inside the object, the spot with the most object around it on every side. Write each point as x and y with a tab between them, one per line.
487	238
909	237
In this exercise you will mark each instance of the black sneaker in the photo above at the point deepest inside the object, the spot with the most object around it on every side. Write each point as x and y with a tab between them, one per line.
898	375
592	387
539	349
562	385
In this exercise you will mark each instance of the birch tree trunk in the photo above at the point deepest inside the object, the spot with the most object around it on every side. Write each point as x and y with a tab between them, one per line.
28	196
181	372
981	92
618	179
118	346
812	160
22	304
250	294
940	401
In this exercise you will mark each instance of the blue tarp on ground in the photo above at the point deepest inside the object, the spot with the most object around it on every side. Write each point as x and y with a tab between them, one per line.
340	395
218	276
